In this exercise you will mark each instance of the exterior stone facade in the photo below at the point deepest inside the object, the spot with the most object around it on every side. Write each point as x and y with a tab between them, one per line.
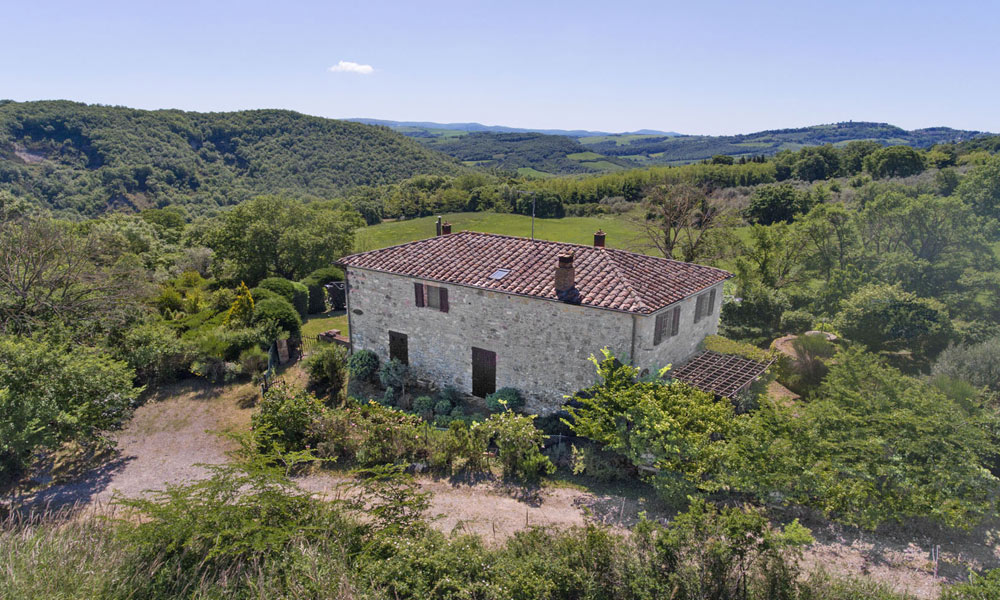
542	346
679	348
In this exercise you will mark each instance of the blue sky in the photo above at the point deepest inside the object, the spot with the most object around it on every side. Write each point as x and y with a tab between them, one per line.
695	67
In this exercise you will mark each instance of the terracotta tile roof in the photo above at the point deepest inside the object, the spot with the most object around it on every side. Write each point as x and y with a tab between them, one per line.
605	278
721	374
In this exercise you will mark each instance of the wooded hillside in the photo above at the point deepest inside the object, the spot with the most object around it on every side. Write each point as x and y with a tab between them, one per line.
86	159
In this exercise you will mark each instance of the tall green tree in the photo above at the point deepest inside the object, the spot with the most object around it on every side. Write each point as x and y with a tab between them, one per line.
274	235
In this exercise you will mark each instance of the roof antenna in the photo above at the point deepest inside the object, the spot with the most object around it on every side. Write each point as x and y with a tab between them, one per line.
532	217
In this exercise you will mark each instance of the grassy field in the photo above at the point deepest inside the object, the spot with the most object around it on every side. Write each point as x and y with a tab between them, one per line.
317	324
585	156
579	230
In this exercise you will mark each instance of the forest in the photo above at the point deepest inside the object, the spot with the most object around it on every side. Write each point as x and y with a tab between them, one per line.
84	160
880	264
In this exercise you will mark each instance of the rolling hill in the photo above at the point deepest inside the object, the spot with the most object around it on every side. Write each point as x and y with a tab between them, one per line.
431	128
79	159
546	153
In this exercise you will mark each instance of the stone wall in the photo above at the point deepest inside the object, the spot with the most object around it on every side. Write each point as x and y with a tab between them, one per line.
542	346
677	349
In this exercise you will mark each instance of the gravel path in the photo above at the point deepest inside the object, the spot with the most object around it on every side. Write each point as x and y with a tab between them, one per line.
172	434
166	441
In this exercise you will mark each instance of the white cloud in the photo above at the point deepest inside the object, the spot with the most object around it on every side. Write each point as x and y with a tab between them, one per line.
346	66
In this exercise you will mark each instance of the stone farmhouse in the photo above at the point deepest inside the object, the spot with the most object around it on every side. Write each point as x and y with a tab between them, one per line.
481	311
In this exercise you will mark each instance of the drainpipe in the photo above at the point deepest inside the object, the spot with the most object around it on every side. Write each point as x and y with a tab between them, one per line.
347	305
634	324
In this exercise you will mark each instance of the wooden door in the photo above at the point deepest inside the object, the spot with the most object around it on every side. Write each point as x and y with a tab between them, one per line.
484	372
398	348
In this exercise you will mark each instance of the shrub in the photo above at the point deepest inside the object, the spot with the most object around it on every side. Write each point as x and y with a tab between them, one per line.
363	366
519	445
285	417
979	587
259	294
296	293
52	391
281	313
154	351
169	300
316	282
394	374
227	532
442	407
452	395
424	406
978	364
505	399
220	300
253	362
241	309
442	421
372	435
884	317
601	465
388	397
327	369
796	321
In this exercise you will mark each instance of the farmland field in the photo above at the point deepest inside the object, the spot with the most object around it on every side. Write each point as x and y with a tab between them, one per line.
579	230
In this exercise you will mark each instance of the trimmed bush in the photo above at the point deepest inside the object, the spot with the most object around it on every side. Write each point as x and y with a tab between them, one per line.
327	368
260	294
293	291
505	399
363	366
442	407
280	312
316	282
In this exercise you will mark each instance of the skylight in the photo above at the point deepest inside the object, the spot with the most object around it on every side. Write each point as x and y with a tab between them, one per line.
499	273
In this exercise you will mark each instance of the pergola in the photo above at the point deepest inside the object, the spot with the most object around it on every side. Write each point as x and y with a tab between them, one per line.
725	375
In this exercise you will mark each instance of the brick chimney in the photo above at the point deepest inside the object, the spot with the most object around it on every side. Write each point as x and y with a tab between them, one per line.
445	228
565	274
599	238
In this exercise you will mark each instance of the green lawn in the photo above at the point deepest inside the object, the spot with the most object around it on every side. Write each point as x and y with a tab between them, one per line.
317	324
585	156
579	230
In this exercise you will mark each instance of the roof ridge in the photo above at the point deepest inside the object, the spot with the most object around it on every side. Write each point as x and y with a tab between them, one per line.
636	296
607	278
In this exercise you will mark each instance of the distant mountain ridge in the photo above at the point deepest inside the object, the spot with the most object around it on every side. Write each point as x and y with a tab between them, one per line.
536	153
479	127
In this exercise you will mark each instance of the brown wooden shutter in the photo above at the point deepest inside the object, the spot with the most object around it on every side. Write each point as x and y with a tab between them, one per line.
711	302
699	307
658	333
418	293
444	299
675	327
